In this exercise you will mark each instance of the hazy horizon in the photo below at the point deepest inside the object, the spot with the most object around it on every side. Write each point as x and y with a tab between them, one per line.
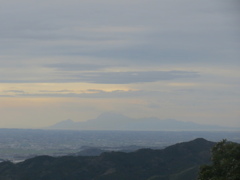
110	121
78	59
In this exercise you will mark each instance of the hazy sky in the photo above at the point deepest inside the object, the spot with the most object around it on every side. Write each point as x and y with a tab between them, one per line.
75	59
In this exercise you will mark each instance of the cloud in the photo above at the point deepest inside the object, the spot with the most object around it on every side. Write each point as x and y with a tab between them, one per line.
11	93
75	66
90	93
107	77
14	91
6	95
127	32
59	91
135	76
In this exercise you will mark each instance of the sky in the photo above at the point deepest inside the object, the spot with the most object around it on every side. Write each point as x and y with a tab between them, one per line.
76	59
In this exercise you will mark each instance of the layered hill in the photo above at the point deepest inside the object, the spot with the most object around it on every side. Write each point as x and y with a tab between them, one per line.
177	162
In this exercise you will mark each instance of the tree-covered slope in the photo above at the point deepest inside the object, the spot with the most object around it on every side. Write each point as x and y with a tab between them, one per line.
225	162
180	161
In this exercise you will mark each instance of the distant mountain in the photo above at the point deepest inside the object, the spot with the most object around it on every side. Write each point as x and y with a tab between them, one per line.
114	121
178	162
67	124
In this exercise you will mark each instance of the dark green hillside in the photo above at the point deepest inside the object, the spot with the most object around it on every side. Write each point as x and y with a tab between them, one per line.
180	161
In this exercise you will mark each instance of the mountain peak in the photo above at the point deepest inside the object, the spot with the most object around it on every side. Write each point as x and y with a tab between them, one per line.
66	124
111	115
68	120
116	121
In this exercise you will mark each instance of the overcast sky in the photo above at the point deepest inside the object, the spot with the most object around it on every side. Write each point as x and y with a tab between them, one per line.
75	59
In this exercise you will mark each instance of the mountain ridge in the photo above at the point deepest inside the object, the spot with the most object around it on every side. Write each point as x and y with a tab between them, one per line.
180	161
114	121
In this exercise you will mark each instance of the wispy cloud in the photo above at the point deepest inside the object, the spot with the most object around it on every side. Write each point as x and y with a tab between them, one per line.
135	76
14	91
106	77
76	66
89	93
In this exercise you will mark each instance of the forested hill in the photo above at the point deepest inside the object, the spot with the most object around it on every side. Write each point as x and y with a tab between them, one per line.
177	162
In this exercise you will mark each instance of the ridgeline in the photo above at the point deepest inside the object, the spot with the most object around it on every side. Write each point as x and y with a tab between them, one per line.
177	162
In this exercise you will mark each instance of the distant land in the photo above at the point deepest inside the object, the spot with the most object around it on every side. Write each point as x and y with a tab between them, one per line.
114	121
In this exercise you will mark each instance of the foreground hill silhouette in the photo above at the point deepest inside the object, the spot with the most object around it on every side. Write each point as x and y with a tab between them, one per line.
177	162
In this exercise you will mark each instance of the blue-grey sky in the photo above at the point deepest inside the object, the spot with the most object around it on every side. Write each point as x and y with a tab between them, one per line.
75	59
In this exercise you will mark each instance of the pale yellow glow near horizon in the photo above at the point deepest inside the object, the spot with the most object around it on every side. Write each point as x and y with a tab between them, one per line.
34	112
38	112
